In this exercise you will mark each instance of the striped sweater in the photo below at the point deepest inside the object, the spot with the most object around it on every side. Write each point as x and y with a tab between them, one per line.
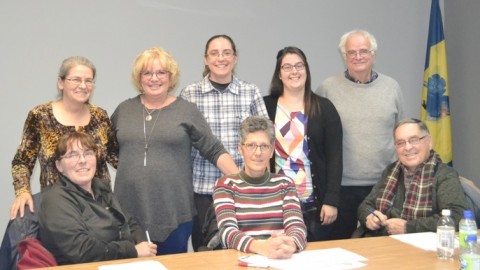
255	208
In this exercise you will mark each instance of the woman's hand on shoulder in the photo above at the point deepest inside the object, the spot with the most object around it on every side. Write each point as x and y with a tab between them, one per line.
19	203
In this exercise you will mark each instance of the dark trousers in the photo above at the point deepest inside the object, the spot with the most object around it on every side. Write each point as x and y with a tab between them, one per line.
202	202
315	230
350	199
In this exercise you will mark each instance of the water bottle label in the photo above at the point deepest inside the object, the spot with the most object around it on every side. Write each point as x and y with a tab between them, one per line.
445	242
462	237
470	262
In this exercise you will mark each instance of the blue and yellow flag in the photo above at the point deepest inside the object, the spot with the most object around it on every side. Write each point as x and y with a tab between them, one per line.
435	111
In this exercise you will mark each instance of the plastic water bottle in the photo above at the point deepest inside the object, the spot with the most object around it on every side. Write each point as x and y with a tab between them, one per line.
467	226
470	259
445	236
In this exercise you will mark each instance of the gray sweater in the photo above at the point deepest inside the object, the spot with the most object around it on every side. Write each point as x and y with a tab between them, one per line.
160	194
368	113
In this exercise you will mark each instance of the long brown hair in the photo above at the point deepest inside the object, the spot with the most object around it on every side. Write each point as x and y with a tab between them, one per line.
312	106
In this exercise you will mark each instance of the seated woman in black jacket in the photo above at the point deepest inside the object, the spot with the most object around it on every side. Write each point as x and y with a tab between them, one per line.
80	218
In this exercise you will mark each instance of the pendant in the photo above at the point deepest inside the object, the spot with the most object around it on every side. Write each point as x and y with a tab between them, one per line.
148	117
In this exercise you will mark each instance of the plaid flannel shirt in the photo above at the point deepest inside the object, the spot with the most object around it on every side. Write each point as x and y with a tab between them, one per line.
224	111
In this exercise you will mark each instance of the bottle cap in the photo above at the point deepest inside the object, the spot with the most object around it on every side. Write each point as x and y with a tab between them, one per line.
468	214
446	212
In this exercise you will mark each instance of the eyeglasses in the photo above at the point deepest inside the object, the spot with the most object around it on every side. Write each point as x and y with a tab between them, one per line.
251	147
75	156
411	141
298	66
76	81
225	54
361	53
160	74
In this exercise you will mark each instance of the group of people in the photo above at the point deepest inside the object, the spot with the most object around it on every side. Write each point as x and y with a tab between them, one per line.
291	167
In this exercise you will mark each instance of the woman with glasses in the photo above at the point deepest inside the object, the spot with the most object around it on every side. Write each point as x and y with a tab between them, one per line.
225	101
257	211
46	123
80	218
156	132
308	146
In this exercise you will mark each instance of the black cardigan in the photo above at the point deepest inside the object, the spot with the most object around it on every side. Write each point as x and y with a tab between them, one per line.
324	136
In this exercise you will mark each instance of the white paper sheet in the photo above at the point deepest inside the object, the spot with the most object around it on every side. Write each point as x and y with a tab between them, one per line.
325	259
144	265
425	240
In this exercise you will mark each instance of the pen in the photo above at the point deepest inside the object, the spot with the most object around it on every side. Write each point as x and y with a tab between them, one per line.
244	264
148	236
373	213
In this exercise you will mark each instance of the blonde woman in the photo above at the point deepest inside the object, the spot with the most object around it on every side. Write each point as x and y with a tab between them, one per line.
156	132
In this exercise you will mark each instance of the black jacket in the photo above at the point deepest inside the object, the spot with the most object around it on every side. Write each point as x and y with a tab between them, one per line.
324	135
17	230
76	228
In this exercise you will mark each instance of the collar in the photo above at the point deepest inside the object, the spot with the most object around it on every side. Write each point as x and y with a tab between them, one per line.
98	187
373	77
254	180
233	87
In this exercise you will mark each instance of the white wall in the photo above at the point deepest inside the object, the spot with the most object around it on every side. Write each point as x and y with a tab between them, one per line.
37	35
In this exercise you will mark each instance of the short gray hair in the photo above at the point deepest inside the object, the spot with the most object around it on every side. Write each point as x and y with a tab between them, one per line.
364	33
257	123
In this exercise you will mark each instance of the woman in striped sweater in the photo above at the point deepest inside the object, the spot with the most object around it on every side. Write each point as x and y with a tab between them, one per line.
257	211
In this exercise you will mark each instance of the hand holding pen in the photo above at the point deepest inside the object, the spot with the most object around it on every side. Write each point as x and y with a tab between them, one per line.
375	220
146	248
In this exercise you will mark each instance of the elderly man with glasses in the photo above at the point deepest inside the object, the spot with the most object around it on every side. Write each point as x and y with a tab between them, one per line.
369	104
414	189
